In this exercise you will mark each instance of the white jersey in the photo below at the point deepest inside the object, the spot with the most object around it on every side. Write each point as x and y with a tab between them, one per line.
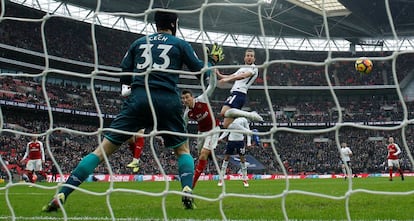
234	136
244	84
345	154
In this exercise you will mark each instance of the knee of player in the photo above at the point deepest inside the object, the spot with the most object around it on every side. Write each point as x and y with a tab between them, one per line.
226	124
224	109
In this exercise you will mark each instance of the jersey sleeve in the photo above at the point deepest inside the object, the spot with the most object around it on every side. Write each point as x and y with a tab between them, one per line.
42	151
398	150
191	59
212	84
127	65
185	116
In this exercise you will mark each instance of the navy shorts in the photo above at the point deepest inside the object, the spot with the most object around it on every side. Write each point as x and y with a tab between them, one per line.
235	147
236	100
136	114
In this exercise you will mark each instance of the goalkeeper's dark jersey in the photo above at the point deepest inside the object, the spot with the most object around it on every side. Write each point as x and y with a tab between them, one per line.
167	52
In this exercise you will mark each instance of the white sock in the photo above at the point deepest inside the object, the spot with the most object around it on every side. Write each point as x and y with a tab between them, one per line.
235	113
244	170
224	167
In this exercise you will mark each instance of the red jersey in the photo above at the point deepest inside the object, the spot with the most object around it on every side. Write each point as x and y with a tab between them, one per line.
34	151
200	113
393	151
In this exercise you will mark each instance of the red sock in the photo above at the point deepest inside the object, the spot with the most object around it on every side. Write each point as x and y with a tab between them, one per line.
199	169
390	173
30	175
138	145
43	173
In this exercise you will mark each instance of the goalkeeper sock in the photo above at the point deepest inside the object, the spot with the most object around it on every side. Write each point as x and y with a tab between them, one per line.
186	169
30	175
85	167
201	165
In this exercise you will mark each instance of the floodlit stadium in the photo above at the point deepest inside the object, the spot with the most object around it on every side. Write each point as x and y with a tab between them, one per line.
60	75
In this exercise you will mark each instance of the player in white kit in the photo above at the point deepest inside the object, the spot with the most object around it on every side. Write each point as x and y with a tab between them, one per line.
243	78
236	143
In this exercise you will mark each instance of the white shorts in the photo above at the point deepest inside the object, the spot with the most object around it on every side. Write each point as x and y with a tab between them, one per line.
208	142
35	165
394	163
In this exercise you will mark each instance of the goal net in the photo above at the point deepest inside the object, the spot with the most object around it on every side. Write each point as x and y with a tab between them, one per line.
60	82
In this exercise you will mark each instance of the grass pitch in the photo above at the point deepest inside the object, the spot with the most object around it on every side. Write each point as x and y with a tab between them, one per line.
308	199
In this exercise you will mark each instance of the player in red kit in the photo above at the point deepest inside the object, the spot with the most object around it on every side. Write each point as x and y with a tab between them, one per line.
197	109
36	156
393	161
136	145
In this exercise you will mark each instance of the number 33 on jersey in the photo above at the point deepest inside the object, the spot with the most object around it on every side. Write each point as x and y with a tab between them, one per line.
160	51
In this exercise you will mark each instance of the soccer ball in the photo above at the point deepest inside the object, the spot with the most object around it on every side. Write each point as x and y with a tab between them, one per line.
363	65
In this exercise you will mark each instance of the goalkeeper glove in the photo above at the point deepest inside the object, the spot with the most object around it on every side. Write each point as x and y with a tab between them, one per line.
216	54
126	90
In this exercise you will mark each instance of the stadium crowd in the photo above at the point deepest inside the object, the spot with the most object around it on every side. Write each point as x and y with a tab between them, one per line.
292	108
300	153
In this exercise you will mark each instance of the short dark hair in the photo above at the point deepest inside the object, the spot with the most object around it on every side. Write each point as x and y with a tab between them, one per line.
164	19
186	91
250	50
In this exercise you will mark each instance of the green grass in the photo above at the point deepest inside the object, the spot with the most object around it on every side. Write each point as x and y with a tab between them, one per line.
239	204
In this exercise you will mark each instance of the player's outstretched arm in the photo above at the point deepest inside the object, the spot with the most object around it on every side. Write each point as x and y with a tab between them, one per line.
212	84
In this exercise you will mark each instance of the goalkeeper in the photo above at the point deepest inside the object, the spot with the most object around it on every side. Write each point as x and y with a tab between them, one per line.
164	52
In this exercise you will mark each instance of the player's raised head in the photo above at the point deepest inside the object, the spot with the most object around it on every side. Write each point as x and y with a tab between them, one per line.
187	97
166	21
249	56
